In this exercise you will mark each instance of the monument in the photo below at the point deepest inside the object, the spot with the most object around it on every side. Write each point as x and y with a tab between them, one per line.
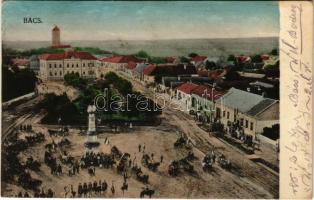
91	109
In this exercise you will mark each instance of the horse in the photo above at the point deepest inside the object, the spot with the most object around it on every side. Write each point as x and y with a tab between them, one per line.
142	178
124	187
148	192
153	166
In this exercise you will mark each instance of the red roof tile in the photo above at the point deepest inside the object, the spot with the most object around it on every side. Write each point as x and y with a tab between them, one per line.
121	59
206	91
213	74
67	55
170	59
149	70
187	87
20	62
56	28
198	58
131	65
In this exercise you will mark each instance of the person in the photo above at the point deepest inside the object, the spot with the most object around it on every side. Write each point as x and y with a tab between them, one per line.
50	193
161	158
20	194
112	189
73	193
26	195
66	191
144	148
130	162
36	194
139	148
85	189
80	190
152	155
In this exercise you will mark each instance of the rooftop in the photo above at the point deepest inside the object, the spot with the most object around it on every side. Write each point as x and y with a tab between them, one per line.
244	101
67	55
187	87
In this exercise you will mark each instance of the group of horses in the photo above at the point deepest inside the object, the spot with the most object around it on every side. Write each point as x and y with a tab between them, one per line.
86	189
148	162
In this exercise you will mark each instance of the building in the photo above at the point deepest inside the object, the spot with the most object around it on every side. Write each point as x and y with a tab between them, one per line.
158	71
56	36
34	64
183	95
54	66
250	111
203	101
170	82
20	63
198	61
118	62
138	71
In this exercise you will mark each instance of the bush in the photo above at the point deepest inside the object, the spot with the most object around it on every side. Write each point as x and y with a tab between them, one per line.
74	80
59	106
272	133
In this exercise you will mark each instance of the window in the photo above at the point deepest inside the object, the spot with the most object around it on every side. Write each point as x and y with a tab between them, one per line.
246	123
55	73
50	73
60	65
49	65
224	113
68	65
83	72
83	64
228	115
60	73
55	65
241	122
72	65
251	126
76	65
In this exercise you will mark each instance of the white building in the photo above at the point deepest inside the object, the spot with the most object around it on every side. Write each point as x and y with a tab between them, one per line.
54	66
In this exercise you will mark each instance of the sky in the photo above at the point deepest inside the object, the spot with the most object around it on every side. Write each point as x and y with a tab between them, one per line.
99	20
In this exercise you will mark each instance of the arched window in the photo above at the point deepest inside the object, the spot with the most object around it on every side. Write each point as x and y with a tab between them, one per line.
68	65
55	65
60	65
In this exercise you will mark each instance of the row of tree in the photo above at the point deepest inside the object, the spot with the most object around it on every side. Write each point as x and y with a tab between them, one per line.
17	82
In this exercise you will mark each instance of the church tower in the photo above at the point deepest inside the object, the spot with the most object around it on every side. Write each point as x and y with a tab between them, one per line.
56	36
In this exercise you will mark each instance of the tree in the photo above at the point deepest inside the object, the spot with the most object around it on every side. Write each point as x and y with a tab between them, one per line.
274	52
74	80
142	54
232	58
232	75
192	55
272	133
256	58
17	82
184	59
210	65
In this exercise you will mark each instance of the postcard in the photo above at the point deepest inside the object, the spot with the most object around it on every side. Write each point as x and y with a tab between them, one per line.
157	99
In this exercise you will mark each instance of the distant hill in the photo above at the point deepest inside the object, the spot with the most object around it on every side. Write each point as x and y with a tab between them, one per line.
175	47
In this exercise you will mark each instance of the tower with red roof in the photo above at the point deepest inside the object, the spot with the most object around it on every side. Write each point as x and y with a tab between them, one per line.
56	36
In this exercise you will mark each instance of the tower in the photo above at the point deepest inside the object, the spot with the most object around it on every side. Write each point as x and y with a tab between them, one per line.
56	36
